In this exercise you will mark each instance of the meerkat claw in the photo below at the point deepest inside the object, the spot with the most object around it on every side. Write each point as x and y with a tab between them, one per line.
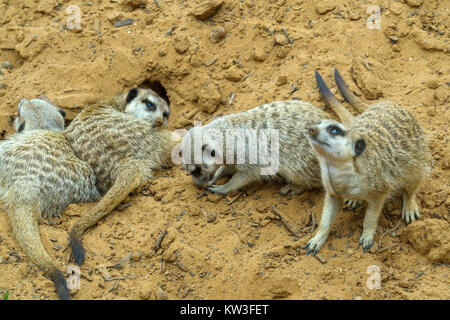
366	242
216	189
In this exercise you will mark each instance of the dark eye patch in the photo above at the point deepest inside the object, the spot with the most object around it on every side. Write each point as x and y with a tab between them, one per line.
335	131
21	127
166	115
63	113
150	105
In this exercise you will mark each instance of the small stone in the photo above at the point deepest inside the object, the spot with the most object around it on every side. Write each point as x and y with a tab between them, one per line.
394	39
259	54
122	23
234	74
7	65
281	80
161	294
134	4
414	3
217	34
432	84
209	98
281	39
321	259
214	198
46	6
324	7
206	9
181	45
211	217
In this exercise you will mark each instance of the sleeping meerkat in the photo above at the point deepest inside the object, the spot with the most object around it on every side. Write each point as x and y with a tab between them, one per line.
381	153
40	174
280	127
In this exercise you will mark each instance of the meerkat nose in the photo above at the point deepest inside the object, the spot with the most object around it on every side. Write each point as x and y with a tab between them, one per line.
159	122
313	132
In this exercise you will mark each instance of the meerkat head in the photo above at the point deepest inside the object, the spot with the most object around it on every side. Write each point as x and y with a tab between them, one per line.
200	162
146	104
332	140
39	114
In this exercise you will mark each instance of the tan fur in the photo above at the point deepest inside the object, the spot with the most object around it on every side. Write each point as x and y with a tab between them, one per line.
40	174
298	164
123	152
381	153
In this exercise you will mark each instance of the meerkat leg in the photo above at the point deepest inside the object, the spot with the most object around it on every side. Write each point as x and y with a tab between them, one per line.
128	179
373	211
330	209
292	189
236	182
352	205
222	172
410	209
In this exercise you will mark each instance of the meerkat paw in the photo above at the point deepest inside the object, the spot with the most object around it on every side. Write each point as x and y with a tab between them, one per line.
409	215
352	205
313	246
217	189
366	241
292	189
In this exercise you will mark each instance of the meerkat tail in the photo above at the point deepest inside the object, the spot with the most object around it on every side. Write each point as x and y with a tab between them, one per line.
25	228
344	115
348	94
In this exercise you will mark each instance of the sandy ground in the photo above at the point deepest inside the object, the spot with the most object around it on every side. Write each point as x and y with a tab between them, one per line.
234	248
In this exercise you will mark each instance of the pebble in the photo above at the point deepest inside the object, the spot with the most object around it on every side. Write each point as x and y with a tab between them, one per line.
161	294
181	45
281	39
206	9
281	80
217	34
324	7
259	54
234	74
122	23
7	65
321	259
414	3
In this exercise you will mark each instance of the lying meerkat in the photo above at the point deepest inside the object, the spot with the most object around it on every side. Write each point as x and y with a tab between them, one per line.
286	121
40	174
122	150
381	153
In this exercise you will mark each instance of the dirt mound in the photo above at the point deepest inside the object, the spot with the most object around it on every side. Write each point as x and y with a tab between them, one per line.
219	58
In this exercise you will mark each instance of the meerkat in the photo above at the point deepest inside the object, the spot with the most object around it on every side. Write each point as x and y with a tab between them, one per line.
40	174
380	153
39	114
286	121
122	150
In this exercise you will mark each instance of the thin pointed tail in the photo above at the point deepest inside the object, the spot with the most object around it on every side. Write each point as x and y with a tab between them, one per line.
25	228
354	101
344	115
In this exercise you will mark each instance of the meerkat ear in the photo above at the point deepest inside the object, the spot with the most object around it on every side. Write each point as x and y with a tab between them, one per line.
132	94
360	146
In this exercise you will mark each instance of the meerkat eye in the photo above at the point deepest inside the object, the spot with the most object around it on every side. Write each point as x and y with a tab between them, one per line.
150	105
335	131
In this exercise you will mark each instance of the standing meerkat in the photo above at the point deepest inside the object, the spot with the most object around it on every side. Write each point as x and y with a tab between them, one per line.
40	174
123	152
381	153
284	128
